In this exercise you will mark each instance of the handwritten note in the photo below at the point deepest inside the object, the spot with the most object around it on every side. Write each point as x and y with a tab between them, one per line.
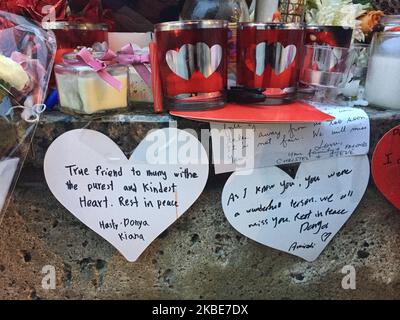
299	216
386	166
237	146
8	168
127	202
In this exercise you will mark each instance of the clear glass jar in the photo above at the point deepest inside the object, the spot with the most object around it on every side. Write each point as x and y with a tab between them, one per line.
383	79
390	21
354	88
82	91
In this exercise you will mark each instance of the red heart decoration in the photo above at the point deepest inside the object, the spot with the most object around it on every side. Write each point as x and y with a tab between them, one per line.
386	166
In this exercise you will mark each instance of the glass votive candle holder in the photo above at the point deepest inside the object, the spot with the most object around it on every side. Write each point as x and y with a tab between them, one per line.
326	69
192	57
354	88
269	59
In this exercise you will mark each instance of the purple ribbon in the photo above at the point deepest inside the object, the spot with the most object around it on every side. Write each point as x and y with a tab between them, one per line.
134	55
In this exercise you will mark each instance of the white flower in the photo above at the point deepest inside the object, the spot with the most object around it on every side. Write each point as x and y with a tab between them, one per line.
12	73
338	13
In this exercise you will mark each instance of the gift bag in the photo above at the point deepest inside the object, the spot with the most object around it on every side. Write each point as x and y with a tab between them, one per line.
26	60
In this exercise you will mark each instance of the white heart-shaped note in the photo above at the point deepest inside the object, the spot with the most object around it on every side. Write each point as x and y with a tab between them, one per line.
128	202
299	216
191	58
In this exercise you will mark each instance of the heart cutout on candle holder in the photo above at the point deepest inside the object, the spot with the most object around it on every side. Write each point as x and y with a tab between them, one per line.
299	216
129	202
191	58
386	166
277	56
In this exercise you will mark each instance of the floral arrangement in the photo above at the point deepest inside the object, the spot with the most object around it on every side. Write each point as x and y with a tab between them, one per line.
35	9
12	76
343	13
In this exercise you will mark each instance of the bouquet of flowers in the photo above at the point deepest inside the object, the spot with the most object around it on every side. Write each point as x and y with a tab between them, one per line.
26	58
347	13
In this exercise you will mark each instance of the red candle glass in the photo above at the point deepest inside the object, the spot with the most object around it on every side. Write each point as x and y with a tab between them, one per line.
71	35
192	57
269	58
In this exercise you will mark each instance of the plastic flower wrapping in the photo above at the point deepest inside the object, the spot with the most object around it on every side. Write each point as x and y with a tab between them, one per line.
26	60
337	13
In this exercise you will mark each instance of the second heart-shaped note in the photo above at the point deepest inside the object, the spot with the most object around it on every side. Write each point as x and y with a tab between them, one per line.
129	202
299	216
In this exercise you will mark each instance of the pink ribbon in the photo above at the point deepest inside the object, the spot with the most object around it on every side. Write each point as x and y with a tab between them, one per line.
129	55
100	66
134	55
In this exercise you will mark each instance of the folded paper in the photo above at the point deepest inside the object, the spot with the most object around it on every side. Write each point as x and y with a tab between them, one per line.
245	146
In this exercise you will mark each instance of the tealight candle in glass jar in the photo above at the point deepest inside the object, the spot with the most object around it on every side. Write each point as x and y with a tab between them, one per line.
88	88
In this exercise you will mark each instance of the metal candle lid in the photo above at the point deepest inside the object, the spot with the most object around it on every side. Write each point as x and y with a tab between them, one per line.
325	28
271	26
191	24
66	25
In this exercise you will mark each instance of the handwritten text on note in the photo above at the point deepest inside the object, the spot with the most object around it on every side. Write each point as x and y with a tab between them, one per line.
299	216
127	202
278	144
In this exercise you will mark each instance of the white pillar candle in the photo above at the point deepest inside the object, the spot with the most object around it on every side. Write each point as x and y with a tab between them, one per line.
383	81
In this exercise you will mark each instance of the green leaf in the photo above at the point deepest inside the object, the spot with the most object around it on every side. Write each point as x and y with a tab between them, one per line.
368	2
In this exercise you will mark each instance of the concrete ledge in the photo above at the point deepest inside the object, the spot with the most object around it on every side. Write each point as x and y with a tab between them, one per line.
201	256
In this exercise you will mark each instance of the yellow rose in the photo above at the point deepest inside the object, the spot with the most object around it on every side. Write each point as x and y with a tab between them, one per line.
12	73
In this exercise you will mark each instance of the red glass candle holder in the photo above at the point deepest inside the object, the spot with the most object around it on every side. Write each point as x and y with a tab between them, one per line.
192	58
71	35
269	58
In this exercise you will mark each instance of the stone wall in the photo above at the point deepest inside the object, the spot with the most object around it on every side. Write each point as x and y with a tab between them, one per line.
200	257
